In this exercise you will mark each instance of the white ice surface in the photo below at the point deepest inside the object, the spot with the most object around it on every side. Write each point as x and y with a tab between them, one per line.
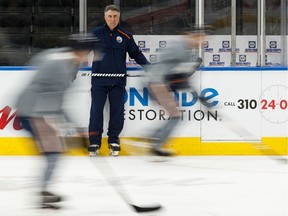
184	186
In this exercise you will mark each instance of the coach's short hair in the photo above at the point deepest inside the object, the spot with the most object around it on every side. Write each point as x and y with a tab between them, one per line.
111	7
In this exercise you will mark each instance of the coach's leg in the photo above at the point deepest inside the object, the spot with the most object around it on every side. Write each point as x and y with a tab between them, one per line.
116	100
99	96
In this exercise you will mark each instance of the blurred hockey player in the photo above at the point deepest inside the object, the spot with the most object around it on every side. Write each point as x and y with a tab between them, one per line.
177	64
40	104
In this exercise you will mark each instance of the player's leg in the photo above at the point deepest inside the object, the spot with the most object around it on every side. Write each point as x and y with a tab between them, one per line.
51	146
161	136
27	125
116	122
51	162
162	94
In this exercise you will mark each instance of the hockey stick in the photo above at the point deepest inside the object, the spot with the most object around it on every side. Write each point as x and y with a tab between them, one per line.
109	75
108	173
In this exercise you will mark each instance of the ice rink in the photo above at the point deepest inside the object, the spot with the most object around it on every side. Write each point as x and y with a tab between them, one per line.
184	186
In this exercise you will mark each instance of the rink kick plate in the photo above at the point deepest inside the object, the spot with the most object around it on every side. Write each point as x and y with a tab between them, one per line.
183	146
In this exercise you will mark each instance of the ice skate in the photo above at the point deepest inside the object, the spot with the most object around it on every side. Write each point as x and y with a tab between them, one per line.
156	148
49	201
50	206
48	197
93	150
161	152
114	149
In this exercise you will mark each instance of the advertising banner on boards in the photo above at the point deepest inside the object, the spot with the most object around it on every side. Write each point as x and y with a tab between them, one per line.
217	49
245	104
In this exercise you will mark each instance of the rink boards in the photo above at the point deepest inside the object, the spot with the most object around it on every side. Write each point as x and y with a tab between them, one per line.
246	108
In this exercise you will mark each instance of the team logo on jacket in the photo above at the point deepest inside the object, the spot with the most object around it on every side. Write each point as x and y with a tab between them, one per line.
119	39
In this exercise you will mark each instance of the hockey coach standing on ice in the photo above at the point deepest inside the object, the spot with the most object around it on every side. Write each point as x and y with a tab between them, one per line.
116	43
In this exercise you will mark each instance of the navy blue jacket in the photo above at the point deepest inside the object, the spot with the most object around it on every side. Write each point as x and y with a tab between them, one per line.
115	45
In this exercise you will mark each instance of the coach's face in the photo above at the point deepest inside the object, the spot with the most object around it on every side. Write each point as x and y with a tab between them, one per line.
112	18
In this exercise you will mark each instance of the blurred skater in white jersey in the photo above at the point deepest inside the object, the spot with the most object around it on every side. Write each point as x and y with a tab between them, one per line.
177	64
40	104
